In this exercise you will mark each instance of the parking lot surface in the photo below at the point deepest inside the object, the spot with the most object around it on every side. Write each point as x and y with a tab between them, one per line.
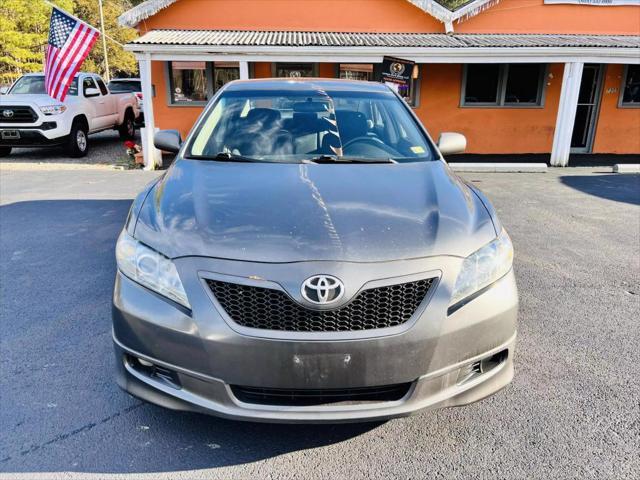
572	411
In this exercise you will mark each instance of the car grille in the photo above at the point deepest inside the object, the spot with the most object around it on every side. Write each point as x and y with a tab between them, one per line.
269	309
311	397
20	114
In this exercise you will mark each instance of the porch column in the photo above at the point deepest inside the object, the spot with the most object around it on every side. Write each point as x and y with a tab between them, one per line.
244	70
566	114
151	154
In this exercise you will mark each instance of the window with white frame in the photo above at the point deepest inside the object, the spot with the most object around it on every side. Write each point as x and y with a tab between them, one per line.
503	85
630	91
187	82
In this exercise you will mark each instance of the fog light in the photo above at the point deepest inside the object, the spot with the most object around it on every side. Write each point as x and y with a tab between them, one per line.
485	365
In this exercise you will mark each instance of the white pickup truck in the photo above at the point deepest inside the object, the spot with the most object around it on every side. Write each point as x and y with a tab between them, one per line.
31	118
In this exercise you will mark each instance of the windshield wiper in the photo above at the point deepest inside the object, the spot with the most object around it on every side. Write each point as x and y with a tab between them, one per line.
226	157
337	159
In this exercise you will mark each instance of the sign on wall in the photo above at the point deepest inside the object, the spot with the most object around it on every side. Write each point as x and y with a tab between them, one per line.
397	73
600	3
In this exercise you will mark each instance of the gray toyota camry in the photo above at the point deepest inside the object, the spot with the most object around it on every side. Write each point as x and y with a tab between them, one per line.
310	257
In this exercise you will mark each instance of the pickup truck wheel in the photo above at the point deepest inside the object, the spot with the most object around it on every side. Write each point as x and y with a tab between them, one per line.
128	128
78	145
5	151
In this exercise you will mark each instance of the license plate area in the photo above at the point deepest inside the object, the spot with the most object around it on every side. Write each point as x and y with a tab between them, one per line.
10	134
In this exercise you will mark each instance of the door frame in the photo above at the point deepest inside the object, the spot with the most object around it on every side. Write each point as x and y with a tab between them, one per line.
593	122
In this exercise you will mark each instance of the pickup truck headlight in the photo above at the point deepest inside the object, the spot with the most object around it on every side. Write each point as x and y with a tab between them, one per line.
149	268
53	109
483	267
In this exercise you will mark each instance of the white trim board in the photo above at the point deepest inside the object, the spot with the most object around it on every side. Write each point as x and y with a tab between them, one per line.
375	54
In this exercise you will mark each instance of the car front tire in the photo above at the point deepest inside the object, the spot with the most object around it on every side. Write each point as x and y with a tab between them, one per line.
78	145
5	151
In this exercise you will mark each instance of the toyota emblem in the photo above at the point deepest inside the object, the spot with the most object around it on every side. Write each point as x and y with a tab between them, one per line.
7	113
322	289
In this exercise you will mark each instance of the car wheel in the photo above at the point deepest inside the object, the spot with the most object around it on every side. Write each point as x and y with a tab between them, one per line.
128	128
5	151
78	141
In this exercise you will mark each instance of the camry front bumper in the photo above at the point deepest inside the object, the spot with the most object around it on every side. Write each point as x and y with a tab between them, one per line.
196	360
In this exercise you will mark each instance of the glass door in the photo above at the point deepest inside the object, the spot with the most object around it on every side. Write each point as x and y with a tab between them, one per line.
588	108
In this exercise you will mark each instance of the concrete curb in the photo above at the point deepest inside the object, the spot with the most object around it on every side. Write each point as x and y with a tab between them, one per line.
500	167
626	168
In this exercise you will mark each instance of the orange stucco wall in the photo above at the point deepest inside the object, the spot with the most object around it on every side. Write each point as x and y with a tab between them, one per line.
618	129
509	16
489	130
528	130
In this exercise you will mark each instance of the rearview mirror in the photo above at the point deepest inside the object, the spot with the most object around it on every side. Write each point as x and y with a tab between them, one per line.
451	143
168	141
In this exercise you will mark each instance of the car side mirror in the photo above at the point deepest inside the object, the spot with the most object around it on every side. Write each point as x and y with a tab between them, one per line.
4	90
168	141
91	92
451	143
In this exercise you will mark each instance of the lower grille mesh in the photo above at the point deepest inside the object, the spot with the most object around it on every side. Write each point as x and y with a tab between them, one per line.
310	397
270	309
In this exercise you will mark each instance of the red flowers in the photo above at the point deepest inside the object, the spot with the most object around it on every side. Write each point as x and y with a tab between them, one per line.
129	144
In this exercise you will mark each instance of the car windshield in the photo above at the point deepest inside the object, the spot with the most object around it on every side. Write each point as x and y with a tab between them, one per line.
309	125
125	87
34	85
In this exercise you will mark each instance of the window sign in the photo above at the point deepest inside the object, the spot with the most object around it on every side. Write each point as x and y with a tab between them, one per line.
397	73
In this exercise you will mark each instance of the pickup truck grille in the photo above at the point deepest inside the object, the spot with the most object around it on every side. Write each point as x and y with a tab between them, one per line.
17	114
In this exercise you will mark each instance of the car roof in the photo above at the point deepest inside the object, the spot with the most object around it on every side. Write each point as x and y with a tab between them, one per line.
307	84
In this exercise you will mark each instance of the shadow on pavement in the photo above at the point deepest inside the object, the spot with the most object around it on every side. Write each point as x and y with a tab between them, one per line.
61	409
624	188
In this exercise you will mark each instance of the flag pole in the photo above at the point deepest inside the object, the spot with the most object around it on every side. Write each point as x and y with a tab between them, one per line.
107	77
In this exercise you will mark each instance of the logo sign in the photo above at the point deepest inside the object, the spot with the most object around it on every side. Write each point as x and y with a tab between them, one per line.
322	289
396	73
7	113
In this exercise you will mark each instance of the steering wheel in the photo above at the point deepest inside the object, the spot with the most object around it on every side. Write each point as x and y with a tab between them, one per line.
376	142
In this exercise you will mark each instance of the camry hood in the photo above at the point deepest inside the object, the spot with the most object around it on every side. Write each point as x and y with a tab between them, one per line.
266	212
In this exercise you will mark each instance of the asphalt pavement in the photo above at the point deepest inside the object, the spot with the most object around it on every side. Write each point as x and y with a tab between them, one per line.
572	411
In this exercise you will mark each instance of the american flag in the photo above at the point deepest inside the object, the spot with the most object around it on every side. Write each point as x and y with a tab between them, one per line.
70	41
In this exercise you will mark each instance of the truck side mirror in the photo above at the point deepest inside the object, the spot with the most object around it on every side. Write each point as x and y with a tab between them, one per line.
168	141
4	90
91	92
451	143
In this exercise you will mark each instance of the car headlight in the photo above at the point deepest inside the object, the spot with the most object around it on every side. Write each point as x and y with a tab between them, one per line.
149	268
53	109
483	267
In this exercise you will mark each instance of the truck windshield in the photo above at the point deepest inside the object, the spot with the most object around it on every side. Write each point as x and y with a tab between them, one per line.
34	85
309	125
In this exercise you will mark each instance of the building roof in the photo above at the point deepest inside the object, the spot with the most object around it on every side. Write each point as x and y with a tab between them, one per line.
256	38
447	11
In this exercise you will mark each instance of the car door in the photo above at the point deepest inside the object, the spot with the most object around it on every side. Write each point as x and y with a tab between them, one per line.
108	101
94	107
